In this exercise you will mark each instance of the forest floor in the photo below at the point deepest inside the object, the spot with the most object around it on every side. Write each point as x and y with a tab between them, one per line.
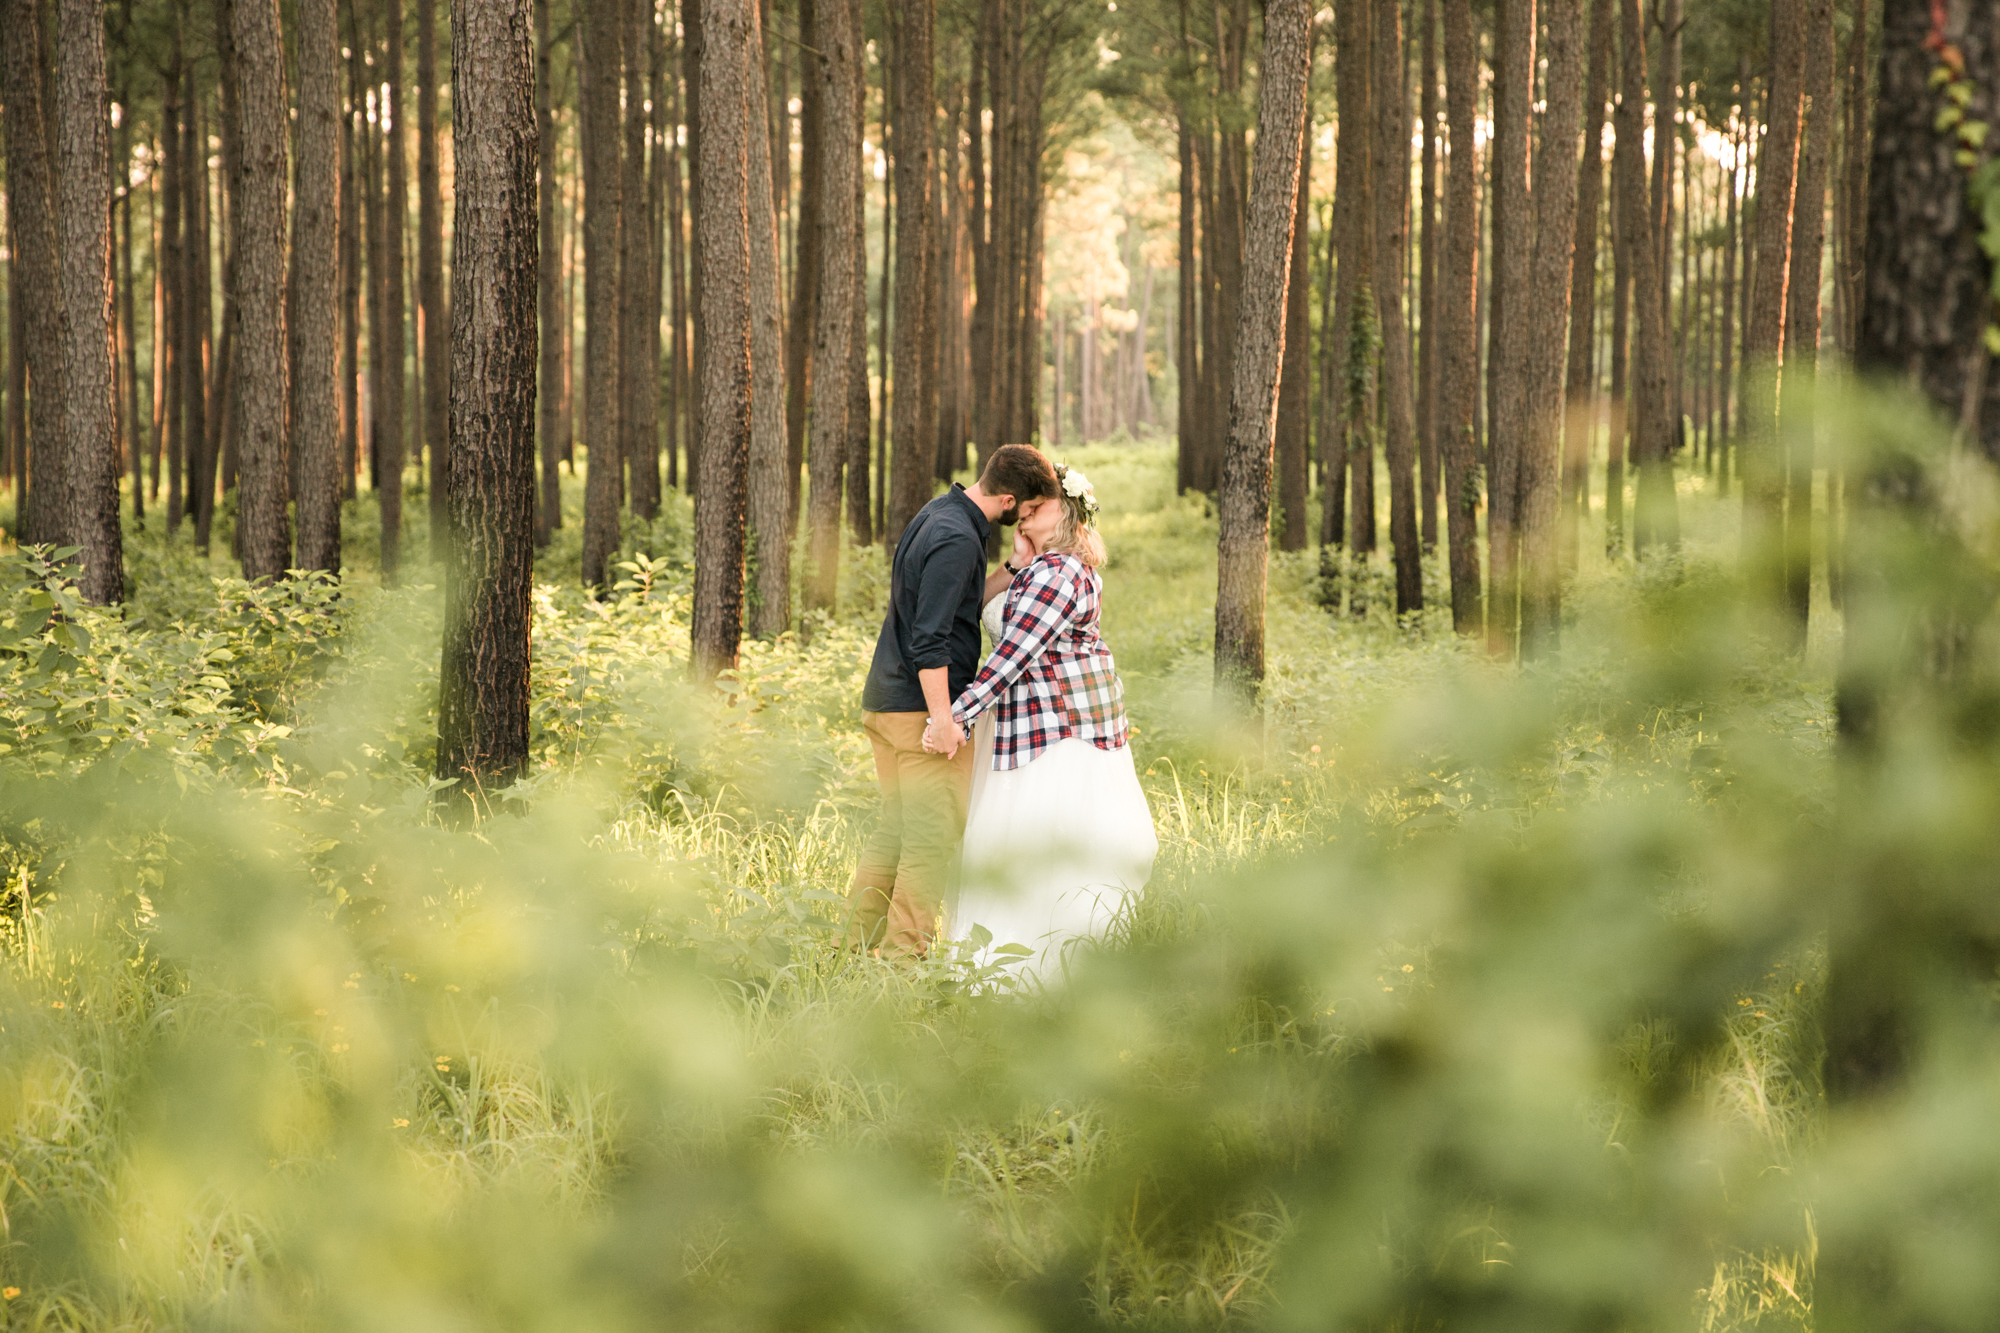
1456	986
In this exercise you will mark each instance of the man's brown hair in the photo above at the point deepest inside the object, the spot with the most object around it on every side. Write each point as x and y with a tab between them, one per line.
1019	470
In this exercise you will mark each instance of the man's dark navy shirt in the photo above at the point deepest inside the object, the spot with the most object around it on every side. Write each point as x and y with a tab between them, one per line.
935	588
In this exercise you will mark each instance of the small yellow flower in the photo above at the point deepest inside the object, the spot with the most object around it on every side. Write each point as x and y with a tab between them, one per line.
1409	967
56	1005
399	1123
10	1292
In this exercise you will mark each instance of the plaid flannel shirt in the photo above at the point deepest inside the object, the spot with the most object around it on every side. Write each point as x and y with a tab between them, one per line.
1050	673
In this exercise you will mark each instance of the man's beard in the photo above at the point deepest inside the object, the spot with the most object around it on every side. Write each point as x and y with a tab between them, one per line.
1010	514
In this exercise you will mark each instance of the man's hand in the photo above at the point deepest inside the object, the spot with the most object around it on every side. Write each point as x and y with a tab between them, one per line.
943	736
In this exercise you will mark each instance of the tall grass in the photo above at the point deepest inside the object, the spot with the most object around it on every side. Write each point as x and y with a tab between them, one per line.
1461	996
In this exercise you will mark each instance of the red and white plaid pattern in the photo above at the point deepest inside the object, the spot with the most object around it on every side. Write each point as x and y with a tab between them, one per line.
1050	673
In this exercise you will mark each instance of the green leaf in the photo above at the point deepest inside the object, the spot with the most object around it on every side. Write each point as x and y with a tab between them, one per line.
1992	337
1965	158
1940	75
1960	93
1946	118
1973	133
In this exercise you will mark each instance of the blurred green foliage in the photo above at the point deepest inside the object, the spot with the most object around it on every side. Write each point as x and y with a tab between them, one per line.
1480	998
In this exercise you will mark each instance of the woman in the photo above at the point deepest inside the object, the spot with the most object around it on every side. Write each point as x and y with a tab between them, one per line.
1058	834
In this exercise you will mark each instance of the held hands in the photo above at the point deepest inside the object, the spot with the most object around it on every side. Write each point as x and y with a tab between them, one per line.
942	736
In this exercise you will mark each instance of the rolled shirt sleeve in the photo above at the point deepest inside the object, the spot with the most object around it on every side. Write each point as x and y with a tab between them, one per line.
1044	602
940	591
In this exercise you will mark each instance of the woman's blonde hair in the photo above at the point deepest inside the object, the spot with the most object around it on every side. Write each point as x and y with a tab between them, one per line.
1074	534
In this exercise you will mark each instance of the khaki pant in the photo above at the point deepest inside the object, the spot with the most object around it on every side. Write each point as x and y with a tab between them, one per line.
899	887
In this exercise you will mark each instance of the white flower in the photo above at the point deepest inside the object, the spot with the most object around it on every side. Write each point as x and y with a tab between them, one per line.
1075	484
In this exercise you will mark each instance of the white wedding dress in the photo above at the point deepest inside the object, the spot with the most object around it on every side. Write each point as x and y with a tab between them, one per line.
1054	849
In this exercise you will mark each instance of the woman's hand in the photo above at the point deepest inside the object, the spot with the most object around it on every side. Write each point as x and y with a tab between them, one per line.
1024	549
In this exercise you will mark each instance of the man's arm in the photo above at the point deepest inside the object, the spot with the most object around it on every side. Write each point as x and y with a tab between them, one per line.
943	734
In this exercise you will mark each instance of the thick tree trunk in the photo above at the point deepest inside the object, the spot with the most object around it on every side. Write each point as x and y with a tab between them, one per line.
602	31
1802	315
1245	500
483	681
393	386
915	404
87	512
1655	516
1764	330
1580	381
1458	295
1353	303
770	500
31	205
728	28
433	321
548	301
1546	318
638	376
835	68
1513	249
1391	179
257	385
317	228
1295	381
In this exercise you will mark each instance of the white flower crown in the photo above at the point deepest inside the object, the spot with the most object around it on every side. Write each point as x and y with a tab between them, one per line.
1077	487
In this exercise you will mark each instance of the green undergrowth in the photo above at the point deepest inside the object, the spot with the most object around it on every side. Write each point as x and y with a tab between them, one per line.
1462	996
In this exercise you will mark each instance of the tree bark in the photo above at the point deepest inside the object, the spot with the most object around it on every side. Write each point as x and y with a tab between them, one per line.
1546	310
31	204
1513	246
770	500
352	209
434	336
317	228
915	403
1391	179
1245	500
548	301
394	384
1295	380
860	513
835	68
1764	330
257	386
799	364
1458	295
1655	516
1618	438
638	376
483	680
87	512
1187	341
1802	315
724	206
602	31
1353	303
1427	269
1580	383
197	452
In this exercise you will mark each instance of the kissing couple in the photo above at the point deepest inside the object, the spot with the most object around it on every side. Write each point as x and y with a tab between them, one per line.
1024	756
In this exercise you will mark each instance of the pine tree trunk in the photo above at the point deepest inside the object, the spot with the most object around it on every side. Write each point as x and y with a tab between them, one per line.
317	228
770	501
1245	499
38	278
950	284
1458	296
726	414
602	30
87	512
1580	380
1295	380
258	386
1427	298
1513	250
1391	179
548	300
483	680
393	416
169	270
799	363
352	210
860	511
638	434
1187	362
915	403
198	454
1353	302
834	68
1546	312
1655	516
1802	316
1764	329
434	321
1326	415
1618	438
220	454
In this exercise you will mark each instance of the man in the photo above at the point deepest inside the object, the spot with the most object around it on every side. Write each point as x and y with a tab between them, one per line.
927	653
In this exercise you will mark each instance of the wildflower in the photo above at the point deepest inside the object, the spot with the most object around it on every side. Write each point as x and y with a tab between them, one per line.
1409	967
399	1123
10	1292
